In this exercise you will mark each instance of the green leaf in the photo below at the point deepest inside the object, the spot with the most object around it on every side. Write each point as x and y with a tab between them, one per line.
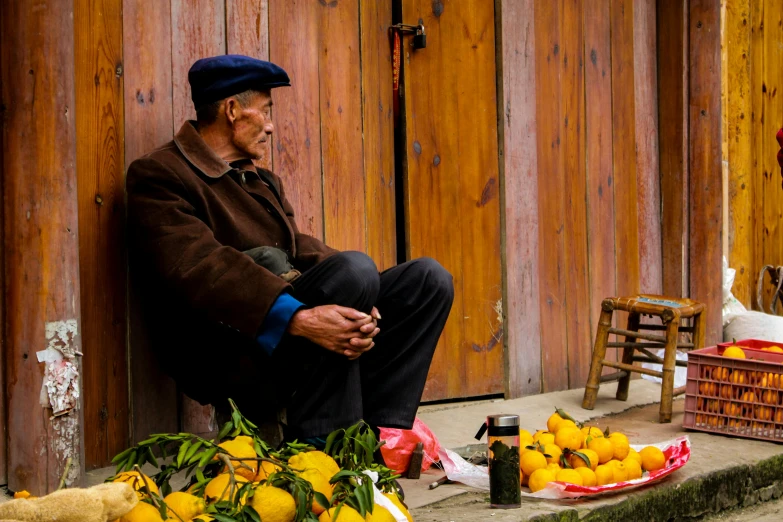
252	513
223	518
330	441
321	499
208	456
151	457
121	456
131	461
192	451
224	430
181	453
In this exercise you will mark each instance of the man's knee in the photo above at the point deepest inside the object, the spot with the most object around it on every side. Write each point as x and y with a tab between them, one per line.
434	278
355	273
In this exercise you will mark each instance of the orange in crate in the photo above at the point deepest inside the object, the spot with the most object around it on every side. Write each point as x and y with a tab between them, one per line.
737	397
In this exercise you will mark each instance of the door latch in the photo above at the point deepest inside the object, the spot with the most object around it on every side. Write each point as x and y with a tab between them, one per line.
419	37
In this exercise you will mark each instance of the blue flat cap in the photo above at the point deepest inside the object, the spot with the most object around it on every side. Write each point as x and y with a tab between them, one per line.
218	77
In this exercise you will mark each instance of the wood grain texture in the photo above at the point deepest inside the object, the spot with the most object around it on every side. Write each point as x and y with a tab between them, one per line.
41	229
247	32
551	205
598	140
519	166
705	162
3	418
772	114
342	150
757	129
625	178
148	124
739	140
672	51
378	130
100	166
575	196
198	30
647	166
452	175
296	154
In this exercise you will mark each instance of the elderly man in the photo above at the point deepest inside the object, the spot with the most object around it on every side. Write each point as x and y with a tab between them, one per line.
216	256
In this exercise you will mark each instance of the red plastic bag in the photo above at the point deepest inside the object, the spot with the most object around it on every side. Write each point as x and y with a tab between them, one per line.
401	443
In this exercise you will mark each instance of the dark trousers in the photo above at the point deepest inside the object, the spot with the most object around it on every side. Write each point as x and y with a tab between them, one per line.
322	391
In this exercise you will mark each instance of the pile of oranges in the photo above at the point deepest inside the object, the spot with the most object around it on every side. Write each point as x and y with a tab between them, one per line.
581	455
739	400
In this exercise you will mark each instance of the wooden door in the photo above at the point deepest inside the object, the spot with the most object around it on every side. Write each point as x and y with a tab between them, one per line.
451	185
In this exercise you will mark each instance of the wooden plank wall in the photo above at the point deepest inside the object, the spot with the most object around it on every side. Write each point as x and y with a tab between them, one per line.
41	235
593	73
704	156
519	171
378	129
753	38
100	164
148	124
3	418
673	142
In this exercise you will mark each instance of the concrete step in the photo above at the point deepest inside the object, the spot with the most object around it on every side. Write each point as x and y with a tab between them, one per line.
723	473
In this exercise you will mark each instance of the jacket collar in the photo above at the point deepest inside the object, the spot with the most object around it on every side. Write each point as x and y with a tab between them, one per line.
198	153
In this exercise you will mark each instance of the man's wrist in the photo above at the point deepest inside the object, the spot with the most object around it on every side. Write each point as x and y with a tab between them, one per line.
294	325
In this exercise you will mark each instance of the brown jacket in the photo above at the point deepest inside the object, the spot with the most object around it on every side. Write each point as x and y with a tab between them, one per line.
190	217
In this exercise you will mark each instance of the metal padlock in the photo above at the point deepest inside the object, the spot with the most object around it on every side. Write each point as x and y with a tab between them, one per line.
420	39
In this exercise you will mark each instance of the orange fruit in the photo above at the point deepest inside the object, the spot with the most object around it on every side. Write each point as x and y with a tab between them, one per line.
591	432
139	482
553	421
219	487
652	458
565	424
570	476
620	444
531	461
620	472
240	449
578	462
734	352
554	453
525	438
569	437
588	476
633	454
603	448
604	474
539	479
554	468
544	437
633	467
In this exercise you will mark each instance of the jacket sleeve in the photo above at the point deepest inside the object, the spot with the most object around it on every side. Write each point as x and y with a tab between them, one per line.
220	282
309	250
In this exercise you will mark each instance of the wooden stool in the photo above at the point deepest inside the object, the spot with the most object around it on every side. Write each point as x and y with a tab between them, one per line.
671	311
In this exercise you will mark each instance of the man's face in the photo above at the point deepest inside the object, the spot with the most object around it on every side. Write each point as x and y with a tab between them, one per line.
252	125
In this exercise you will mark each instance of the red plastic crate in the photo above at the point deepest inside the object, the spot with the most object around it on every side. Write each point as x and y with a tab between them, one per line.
736	397
753	344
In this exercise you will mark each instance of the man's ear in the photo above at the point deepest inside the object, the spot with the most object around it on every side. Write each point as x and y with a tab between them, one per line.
231	110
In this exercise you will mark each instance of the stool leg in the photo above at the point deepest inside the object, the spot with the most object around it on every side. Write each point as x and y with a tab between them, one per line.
699	330
599	352
624	383
669	360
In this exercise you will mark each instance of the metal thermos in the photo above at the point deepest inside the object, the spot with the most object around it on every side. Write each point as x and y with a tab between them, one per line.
503	455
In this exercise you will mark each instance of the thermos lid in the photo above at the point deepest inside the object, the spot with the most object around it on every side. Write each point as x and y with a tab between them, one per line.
502	420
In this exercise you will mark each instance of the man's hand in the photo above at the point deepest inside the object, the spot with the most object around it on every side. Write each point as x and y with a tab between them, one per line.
337	328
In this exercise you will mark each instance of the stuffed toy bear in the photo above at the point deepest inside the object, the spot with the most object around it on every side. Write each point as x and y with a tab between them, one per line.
101	503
